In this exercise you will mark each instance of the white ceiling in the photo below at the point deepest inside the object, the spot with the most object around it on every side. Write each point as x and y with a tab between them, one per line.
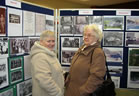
76	3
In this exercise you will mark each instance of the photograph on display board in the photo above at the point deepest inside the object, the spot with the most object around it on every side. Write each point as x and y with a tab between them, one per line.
132	23
49	22
24	88
66	29
2	21
16	76
15	63
8	92
132	39
32	41
66	20
3	47
115	70
113	38
14	22
66	56
27	67
133	78
19	46
96	20
3	73
113	54
79	29
70	42
133	55
116	81
40	23
113	22
28	23
81	20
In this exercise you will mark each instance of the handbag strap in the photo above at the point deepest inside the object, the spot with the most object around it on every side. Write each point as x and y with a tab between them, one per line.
107	72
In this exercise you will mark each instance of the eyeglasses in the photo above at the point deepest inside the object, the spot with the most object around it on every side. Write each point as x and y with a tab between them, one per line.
88	35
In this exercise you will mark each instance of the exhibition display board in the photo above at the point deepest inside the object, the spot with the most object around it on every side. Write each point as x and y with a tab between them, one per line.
120	28
20	26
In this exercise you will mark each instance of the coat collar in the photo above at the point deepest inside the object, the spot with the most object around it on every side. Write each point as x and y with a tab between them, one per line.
88	49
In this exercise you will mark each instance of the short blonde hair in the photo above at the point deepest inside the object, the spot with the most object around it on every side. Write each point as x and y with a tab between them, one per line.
95	29
46	34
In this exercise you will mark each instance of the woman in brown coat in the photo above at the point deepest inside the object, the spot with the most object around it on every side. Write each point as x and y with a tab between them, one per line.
87	70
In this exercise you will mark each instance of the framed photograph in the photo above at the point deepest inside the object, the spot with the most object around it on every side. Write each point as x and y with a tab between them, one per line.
70	43
113	54
2	21
8	92
66	57
66	20
50	22
32	41
16	63
16	76
132	23
81	20
113	38
132	39
4	80
115	70
133	61
24	88
18	46
27	67
133	78
3	47
66	29
113	22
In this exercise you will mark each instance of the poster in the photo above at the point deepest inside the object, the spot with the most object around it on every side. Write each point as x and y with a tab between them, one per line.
14	22
50	23
27	67
2	21
28	23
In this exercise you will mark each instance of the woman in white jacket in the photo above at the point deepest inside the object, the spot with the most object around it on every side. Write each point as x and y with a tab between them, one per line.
47	74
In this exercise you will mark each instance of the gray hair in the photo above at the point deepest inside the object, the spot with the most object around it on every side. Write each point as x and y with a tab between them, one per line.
96	29
46	34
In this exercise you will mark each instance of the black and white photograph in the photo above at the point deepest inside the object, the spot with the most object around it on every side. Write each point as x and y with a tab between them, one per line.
133	58
3	73
19	46
96	20
115	70
66	20
79	29
113	38
66	29
113	54
133	78
32	40
15	62
70	42
81	20
113	23
132	23
16	76
24	88
13	18
7	92
132	39
50	22
3	47
66	57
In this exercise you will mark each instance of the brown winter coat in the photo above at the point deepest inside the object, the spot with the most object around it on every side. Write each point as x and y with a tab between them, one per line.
84	77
